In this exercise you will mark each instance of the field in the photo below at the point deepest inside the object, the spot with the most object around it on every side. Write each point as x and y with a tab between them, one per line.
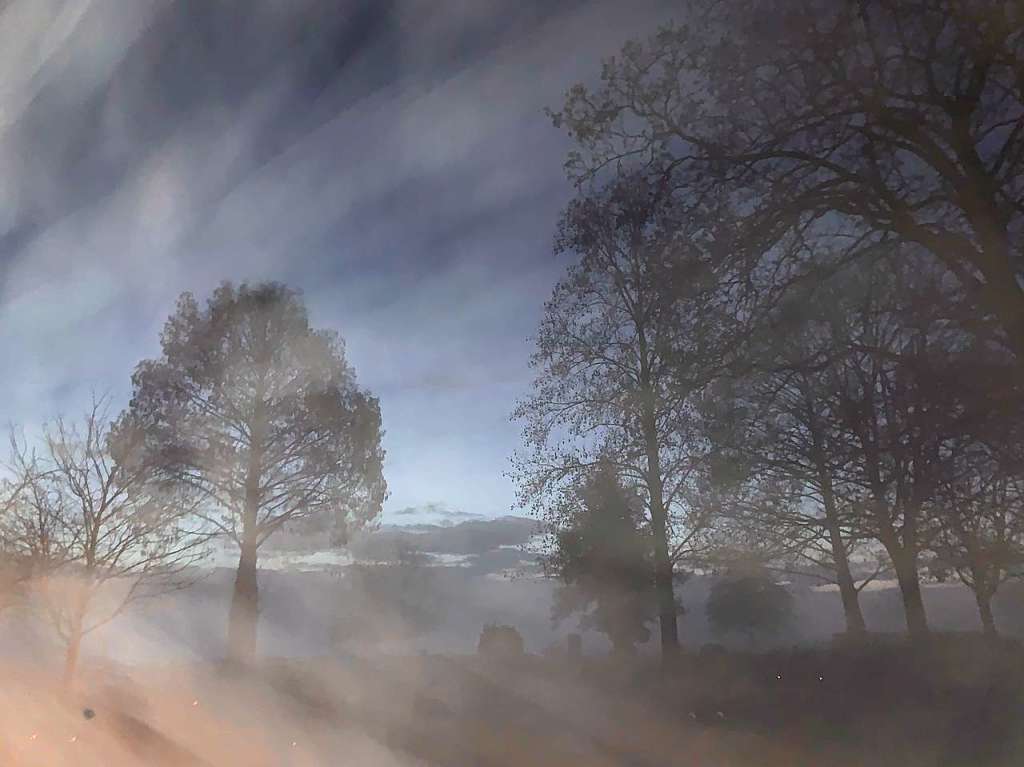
958	704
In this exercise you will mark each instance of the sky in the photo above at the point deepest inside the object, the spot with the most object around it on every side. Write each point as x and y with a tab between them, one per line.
389	158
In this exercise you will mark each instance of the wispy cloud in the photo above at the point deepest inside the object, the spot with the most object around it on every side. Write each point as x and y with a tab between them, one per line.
390	158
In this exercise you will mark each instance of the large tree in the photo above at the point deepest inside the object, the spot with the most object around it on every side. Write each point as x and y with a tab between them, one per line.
262	414
619	357
838	127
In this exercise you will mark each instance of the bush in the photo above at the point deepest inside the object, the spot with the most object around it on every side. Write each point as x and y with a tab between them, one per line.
499	641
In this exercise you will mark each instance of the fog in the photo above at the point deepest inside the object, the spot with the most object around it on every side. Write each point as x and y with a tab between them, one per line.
496	382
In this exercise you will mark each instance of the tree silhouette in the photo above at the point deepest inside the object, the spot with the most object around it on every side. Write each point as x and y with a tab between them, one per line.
748	604
262	414
840	128
778	451
96	529
980	514
603	555
619	355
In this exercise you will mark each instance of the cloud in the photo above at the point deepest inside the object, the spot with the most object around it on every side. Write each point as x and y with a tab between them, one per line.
389	157
435	511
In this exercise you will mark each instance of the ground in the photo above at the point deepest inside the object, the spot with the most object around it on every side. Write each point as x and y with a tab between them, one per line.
957	705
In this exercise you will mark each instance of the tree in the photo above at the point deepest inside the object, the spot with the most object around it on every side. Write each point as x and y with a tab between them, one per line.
95	528
748	603
981	521
857	420
778	453
618	359
28	544
902	406
262	415
500	642
843	127
390	600
603	555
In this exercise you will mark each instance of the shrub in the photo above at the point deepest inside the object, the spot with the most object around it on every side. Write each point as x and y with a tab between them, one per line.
499	641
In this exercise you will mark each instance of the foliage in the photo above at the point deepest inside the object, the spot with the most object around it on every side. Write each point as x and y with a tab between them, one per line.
248	399
750	604
839	129
618	357
500	642
603	555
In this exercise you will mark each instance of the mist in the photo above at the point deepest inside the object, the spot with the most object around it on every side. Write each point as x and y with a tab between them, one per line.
490	382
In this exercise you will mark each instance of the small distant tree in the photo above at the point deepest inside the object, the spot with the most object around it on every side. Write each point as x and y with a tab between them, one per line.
750	604
397	599
603	555
94	530
262	414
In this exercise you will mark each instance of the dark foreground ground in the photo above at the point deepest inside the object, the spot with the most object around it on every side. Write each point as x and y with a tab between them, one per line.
956	703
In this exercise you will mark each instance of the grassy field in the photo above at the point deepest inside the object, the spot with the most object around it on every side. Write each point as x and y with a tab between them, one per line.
955	704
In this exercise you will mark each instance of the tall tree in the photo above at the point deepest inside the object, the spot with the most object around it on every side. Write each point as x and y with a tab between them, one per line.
602	554
262	414
618	364
96	529
841	126
772	431
896	417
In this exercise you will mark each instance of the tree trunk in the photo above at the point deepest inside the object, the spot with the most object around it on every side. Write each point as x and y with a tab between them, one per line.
988	621
910	590
245	599
855	626
244	608
71	656
667	610
663	566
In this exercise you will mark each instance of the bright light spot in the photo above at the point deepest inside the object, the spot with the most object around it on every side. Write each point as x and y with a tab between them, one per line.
294	744
195	703
33	736
74	738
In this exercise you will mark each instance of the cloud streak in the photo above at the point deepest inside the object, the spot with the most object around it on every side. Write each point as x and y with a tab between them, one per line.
388	158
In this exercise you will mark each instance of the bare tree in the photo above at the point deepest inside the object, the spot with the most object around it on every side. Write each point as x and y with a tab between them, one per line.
29	537
96	529
773	431
839	126
899	420
619	356
261	414
981	526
